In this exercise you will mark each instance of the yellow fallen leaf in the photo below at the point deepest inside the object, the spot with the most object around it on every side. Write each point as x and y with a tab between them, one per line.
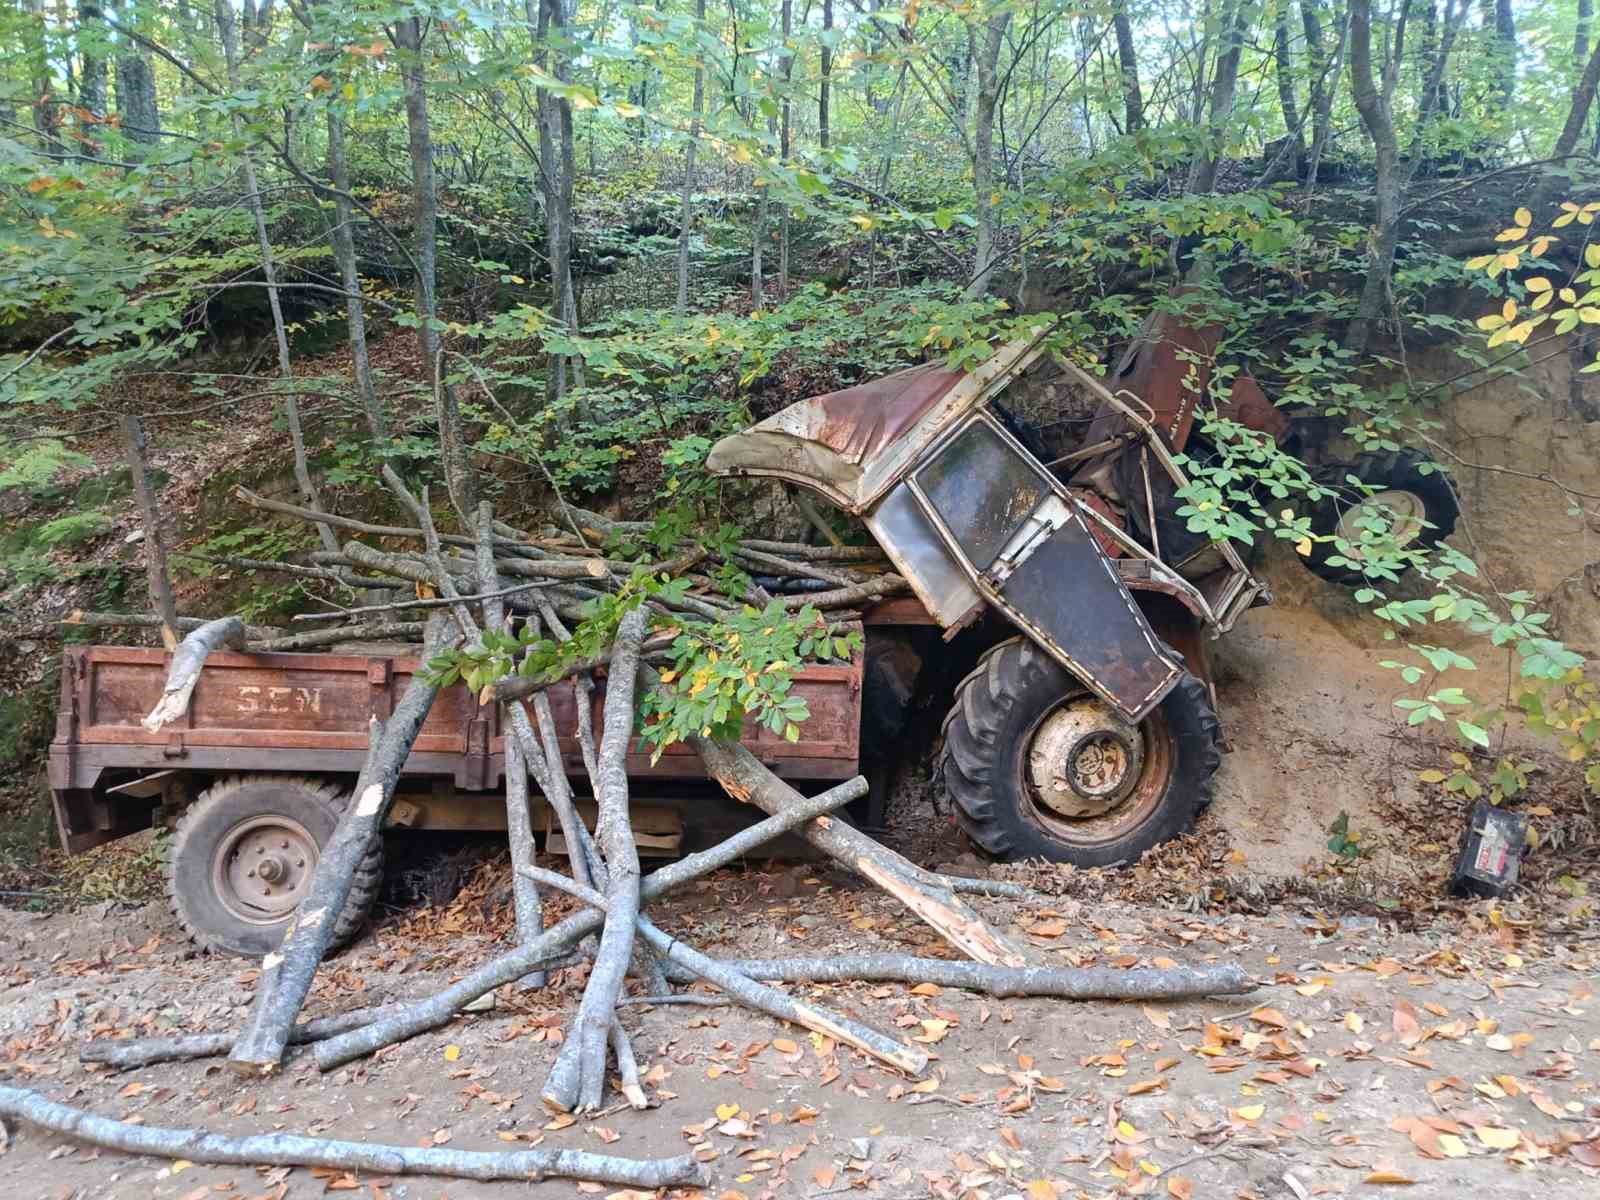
1497	1138
1250	1112
452	1052
1452	1146
1353	1022
727	1111
1042	1189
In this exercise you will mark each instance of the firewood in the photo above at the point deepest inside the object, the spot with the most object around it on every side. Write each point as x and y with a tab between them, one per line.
577	1080
128	1054
435	1010
287	972
187	662
291	1150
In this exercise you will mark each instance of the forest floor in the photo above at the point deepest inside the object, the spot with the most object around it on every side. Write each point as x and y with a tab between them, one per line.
1459	1053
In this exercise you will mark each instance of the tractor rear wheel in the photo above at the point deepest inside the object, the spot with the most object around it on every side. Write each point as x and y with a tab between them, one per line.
242	857
1040	767
1411	496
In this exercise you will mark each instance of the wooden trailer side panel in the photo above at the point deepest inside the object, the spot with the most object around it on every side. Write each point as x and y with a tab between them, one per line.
308	714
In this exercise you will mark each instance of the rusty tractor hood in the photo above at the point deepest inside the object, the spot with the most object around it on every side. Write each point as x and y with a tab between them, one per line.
852	446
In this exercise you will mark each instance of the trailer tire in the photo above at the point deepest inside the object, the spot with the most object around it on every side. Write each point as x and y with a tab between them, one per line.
1018	695
237	831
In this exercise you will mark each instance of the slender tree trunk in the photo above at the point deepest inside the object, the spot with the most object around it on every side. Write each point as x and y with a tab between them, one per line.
342	238
269	272
408	37
1505	38
826	85
1580	37
1578	112
686	211
1316	67
988	99
783	147
1372	102
1128	66
1284	66
91	75
1224	83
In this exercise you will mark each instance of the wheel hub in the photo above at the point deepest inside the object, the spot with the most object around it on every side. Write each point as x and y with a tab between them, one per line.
1084	760
1405	512
262	868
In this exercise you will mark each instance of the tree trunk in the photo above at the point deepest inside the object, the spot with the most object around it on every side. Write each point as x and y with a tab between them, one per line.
1128	66
1373	105
188	660
826	84
1284	66
988	99
686	210
91	74
136	91
425	200
269	272
783	147
1224	83
1578	111
1505	43
342	238
578	1078
155	542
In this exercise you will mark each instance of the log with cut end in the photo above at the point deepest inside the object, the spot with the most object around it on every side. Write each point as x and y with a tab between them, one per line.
435	1010
577	1080
188	660
130	1054
744	777
1066	983
291	1150
287	972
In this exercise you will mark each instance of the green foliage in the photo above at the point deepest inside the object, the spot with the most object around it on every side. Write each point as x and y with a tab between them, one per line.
720	675
34	465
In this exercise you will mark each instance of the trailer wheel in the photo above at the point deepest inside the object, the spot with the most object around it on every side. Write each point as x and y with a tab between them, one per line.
1039	767
242	857
1411	494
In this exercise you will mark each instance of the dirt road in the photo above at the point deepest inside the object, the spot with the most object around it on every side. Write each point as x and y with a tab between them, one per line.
1369	1063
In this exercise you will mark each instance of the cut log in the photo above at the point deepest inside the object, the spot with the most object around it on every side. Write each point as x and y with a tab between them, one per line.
188	660
745	778
873	589
435	1010
287	972
519	834
577	1080
756	995
1067	983
129	1054
291	1150
112	620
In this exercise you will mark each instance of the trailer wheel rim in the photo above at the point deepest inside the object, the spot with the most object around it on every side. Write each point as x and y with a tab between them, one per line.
262	868
1406	514
1090	776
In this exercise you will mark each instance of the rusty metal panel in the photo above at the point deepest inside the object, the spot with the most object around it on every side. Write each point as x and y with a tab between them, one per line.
1076	605
853	446
1027	548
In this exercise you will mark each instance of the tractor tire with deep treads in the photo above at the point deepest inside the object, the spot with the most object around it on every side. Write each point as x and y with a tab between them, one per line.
985	762
1424	490
242	856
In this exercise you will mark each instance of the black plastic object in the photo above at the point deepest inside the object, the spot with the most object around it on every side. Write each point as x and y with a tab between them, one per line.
1491	851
